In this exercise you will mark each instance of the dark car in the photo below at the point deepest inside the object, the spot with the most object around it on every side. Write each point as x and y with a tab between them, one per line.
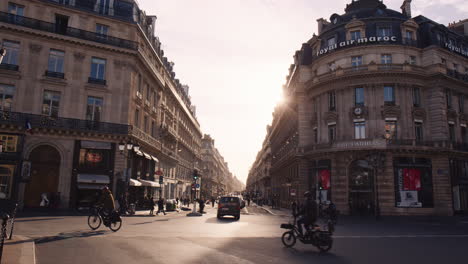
230	205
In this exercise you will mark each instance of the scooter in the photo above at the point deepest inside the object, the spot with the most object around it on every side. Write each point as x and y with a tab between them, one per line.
322	239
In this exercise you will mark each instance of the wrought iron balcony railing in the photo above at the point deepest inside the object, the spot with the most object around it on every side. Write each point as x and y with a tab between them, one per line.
59	75
10	67
67	31
457	75
60	123
97	81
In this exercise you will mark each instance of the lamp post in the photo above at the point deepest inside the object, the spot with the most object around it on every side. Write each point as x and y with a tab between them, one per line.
376	160
126	151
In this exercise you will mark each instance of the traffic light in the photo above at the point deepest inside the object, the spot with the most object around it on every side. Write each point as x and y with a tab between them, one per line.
195	175
161	179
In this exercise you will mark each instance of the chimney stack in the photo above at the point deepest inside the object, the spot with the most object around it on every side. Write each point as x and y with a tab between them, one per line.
406	8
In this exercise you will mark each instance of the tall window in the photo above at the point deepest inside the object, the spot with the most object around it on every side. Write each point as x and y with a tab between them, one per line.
356	61
145	123
331	101
6	97
331	133
137	118
15	9
50	103
315	136
56	58
94	109
390	129
98	68
12	51
461	103
359	96
452	132
455	67
416	97
386	59
409	34
389	95
418	131
448	97
360	130
155	98
331	41
153	129
384	31
355	35
148	93
102	30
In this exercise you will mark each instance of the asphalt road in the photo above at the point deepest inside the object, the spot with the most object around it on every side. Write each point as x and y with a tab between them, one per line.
255	238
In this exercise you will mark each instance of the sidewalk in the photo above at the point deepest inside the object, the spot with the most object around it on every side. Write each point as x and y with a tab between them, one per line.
275	212
19	250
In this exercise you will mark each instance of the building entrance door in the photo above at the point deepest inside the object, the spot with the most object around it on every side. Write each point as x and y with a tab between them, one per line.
361	188
45	166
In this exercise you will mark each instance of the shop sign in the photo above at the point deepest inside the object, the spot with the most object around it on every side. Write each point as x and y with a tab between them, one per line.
459	50
356	42
93	157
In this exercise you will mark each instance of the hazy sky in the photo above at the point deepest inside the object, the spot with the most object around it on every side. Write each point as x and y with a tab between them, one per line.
235	54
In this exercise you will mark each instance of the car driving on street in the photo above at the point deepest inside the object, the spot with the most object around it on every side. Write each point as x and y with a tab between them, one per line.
230	205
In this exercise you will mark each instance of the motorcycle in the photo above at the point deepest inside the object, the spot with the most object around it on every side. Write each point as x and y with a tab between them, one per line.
322	239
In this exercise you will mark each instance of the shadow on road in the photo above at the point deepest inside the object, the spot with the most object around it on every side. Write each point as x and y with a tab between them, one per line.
37	219
224	220
63	236
149	222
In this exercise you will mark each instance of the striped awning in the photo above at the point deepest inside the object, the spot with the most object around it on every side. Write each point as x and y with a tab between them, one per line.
134	183
149	183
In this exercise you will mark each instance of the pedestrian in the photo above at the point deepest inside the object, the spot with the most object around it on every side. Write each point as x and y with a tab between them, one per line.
212	201
201	202
161	206
248	201
151	205
177	200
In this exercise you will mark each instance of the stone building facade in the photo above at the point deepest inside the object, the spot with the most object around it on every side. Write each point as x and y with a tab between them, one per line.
81	79
374	115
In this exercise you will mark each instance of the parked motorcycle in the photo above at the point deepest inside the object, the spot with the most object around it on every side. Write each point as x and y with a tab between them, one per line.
322	239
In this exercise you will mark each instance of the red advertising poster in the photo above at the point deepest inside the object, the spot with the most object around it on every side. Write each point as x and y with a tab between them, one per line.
411	179
325	179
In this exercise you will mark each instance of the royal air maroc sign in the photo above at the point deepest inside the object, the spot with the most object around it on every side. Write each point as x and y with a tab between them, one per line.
459	50
356	42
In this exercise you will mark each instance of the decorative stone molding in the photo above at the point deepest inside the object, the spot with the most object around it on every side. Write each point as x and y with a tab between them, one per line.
452	115
358	112
35	48
391	111
419	113
79	56
330	117
462	117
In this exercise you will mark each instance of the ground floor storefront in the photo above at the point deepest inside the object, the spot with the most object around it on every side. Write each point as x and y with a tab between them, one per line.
376	183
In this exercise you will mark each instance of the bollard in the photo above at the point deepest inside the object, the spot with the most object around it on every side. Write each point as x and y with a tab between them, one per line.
3	234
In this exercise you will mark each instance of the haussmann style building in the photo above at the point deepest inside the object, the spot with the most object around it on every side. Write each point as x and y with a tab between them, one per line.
374	117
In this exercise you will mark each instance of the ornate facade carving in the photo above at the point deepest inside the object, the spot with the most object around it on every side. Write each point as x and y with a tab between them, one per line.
389	111
35	48
79	56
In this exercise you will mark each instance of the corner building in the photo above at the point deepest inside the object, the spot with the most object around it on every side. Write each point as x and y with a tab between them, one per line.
374	118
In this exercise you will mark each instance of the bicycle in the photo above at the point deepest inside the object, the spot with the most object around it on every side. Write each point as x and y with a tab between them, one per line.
98	216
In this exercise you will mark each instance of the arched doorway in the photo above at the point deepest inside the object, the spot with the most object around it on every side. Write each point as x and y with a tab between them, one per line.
361	188
45	166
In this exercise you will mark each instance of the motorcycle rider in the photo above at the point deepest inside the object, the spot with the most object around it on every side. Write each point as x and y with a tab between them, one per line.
307	213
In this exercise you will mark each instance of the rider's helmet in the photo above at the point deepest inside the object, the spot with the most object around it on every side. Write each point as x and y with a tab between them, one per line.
307	194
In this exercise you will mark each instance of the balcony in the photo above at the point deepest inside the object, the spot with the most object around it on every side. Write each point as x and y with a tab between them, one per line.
68	31
60	123
10	67
138	133
457	75
96	81
59	75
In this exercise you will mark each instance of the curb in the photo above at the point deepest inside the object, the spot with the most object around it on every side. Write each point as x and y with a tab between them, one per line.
20	250
270	212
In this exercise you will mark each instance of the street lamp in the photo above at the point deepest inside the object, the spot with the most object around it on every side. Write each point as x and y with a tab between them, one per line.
376	160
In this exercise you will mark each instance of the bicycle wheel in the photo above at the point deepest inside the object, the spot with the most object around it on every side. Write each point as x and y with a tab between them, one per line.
116	225
325	242
288	239
94	221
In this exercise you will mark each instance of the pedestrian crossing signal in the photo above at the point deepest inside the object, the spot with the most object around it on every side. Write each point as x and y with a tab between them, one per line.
195	175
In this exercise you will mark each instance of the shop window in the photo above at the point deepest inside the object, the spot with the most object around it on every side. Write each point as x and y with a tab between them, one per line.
94	109
12	53
360	130
50	103
355	35
390	130
331	101
9	143
413	183
389	95
94	159
359	96
331	133
418	131
416	97
6	97
6	180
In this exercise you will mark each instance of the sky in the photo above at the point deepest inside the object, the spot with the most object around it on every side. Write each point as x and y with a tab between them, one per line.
235	55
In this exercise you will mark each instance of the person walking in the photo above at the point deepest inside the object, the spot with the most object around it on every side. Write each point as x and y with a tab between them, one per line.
177	200
201	202
212	201
248	201
151	205
161	206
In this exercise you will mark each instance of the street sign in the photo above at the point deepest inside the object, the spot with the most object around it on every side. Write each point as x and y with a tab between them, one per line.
197	186
293	192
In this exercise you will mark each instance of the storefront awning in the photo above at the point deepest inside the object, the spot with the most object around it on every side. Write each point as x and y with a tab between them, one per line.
139	153
154	158
149	183
134	182
93	178
147	156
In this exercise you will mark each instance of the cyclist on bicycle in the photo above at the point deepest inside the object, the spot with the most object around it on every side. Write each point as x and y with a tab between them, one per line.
307	213
107	202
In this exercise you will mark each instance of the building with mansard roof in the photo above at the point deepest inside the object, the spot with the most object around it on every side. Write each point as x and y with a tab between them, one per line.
374	115
88	99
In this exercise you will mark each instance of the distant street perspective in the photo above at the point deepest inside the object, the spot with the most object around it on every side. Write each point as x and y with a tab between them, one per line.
255	238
